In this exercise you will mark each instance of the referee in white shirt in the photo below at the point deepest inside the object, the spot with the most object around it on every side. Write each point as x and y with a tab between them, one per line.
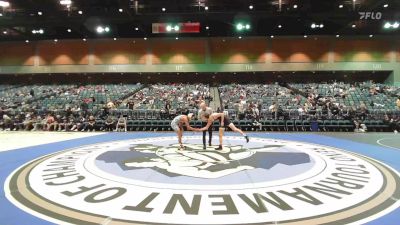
201	115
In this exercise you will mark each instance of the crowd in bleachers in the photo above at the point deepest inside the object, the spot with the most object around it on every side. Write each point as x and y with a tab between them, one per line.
292	106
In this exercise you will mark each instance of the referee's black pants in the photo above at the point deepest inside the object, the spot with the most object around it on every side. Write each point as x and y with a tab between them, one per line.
210	130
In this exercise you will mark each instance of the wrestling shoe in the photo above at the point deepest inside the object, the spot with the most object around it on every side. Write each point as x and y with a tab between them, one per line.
247	138
219	148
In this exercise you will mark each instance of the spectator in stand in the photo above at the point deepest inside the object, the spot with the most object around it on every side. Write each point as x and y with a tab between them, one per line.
90	125
121	124
50	122
398	103
109	124
392	122
7	123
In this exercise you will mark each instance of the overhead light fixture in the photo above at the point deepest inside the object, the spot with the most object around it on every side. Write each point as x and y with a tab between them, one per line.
80	12
39	31
241	27
4	32
115	39
120	10
4	4
251	7
337	35
207	27
107	29
40	13
177	38
353	26
313	26
393	25
84	39
340	6
240	37
100	29
65	2
272	36
26	41
385	5
136	28
69	30
305	36
279	26
55	40
145	38
371	35
1	14
295	6
163	9
206	8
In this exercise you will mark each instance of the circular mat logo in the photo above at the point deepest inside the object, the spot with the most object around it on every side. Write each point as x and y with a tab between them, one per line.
266	181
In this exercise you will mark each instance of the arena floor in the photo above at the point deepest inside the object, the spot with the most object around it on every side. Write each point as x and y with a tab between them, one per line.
141	178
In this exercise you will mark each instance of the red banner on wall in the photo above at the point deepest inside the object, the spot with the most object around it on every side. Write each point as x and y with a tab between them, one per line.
161	28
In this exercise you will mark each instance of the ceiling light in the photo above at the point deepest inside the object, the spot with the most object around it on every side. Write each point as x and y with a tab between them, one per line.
387	25
33	31
279	26
40	13
115	39
305	36
65	2
371	35
69	30
313	25
337	35
321	25
26	41
55	40
1	14
353	26
251	7
385	5
340	6
207	27
145	38
168	28
396	25
4	4
163	9
136	28
4	32
80	12
206	8
120	10
84	39
240	37
177	38
100	29
106	29
272	36
295	6
41	31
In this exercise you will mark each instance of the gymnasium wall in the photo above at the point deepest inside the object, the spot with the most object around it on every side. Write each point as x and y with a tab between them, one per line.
202	55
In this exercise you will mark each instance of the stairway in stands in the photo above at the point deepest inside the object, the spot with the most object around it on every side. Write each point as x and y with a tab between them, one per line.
216	103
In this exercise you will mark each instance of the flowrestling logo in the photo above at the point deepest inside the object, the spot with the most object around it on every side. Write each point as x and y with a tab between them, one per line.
266	181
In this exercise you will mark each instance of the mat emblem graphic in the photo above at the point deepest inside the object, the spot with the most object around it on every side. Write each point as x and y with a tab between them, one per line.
266	181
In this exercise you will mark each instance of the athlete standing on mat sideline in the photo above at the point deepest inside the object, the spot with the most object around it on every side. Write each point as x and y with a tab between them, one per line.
204	110
224	122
